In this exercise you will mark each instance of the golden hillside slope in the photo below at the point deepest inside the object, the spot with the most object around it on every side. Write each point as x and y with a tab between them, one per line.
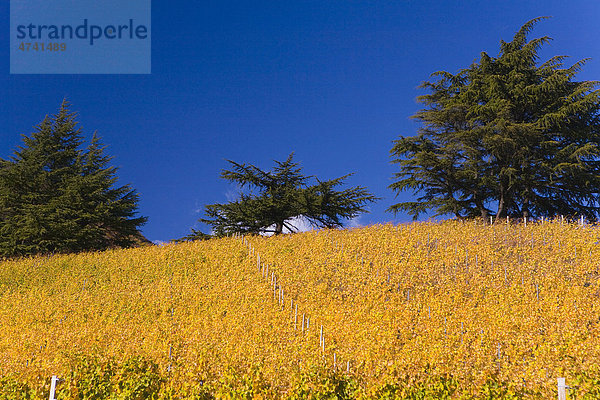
449	309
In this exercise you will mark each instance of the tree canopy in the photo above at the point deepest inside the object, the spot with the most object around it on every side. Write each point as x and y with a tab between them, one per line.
57	197
275	197
507	136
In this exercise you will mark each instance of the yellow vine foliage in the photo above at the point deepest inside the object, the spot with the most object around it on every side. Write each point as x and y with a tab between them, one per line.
513	303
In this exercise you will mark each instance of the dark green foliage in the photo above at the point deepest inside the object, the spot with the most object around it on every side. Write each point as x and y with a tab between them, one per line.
55	197
505	137
12	389
91	378
428	388
279	195
325	385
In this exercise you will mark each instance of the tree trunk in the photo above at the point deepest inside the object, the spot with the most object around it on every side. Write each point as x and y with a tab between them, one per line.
278	228
484	214
501	206
482	210
525	208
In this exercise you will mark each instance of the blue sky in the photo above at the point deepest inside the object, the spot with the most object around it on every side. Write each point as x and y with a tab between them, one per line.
252	81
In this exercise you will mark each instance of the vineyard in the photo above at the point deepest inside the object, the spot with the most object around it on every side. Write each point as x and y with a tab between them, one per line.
414	311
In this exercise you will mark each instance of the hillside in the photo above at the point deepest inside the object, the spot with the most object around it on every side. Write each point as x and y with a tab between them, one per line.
427	309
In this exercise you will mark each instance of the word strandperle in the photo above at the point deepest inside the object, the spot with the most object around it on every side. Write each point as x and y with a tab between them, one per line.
83	31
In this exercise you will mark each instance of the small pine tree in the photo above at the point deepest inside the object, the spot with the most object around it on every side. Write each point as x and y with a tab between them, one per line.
55	197
280	195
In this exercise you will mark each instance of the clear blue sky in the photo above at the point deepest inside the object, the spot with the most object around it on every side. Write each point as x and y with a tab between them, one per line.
334	81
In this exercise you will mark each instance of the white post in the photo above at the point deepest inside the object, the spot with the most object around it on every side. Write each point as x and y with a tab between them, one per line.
321	336
53	387
562	389
498	355
302	323
296	319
